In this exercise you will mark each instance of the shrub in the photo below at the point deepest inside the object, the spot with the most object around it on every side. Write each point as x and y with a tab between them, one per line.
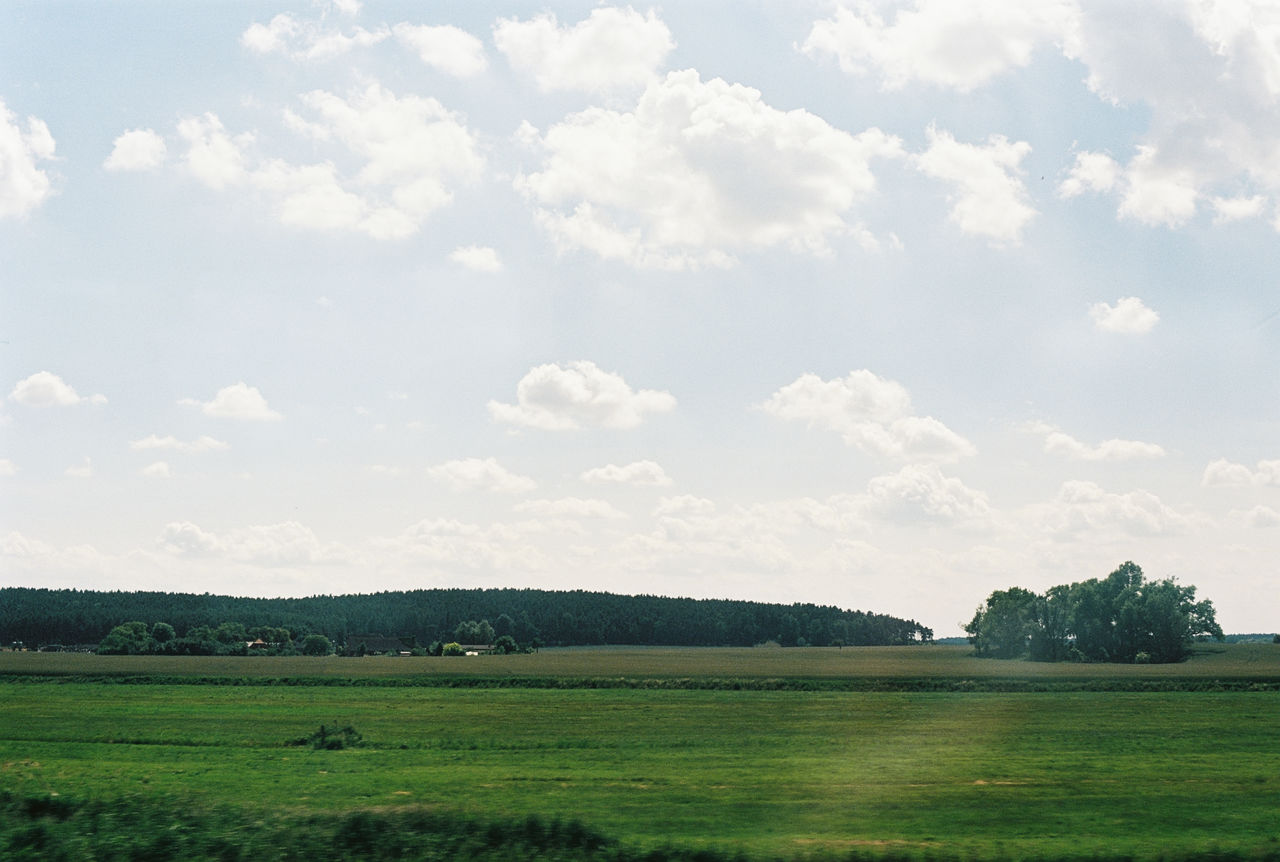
331	738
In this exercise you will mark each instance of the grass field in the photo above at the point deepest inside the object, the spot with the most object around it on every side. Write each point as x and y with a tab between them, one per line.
770	774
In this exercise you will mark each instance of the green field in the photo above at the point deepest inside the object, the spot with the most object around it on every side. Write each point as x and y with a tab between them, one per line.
769	774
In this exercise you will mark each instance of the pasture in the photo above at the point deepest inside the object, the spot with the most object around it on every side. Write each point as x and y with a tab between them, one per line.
768	774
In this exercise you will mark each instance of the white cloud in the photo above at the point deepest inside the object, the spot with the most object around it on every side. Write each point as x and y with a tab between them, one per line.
273	545
1259	517
46	389
444	48
1093	172
213	157
136	150
635	473
611	49
1058	442
1085	509
306	40
553	398
988	200
698	172
81	471
203	443
1237	208
941	43
477	257
157	470
1224	472
570	507
237	401
921	491
23	186
1129	316
684	505
413	149
480	474
871	413
7	467
1159	191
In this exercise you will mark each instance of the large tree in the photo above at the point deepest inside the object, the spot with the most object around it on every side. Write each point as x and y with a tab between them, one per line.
1120	618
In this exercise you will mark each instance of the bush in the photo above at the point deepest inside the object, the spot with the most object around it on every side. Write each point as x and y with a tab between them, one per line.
329	738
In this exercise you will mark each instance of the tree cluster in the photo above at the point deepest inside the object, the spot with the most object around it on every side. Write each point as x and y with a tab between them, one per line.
573	618
229	638
1120	618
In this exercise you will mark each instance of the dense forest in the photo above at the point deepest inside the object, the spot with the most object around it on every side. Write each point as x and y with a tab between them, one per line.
1120	618
40	616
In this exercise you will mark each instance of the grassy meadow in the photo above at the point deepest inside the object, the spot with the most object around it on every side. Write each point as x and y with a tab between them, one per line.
768	774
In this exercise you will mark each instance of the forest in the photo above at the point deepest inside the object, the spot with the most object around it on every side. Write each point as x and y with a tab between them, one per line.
36	617
1120	618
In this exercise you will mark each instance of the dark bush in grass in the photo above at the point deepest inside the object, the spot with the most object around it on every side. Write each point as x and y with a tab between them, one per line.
331	738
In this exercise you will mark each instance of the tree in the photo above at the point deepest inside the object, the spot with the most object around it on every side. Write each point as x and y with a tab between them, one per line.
1120	618
162	633
314	644
505	645
1005	626
131	638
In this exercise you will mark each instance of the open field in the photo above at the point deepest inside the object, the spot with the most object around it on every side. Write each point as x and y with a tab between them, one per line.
1212	662
771	774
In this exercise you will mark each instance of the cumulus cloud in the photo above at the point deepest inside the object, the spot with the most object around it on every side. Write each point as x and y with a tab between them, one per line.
204	443
1092	172
46	389
1259	517
157	470
444	48
477	257
213	156
237	401
555	398
988	199
411	152
1224	472
137	150
635	473
570	507
611	49
23	185
1208	74
1058	442
1086	509
7	467
1129	316
922	492
1236	208
273	545
697	173
940	43
480	474
871	413
306	40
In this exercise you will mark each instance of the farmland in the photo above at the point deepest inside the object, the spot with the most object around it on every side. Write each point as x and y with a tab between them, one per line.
767	773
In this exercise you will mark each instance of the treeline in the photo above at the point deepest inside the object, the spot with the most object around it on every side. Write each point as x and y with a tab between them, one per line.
1120	618
579	617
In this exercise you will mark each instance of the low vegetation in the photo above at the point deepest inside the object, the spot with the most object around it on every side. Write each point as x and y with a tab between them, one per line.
602	770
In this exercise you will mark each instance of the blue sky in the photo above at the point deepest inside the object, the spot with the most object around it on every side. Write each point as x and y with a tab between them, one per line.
883	305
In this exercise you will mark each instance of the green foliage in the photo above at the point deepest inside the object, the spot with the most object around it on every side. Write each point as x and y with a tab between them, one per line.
1116	619
772	775
316	645
214	624
472	632
131	638
452	649
506	645
331	738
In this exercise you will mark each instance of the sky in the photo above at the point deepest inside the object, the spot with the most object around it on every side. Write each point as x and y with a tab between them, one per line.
883	305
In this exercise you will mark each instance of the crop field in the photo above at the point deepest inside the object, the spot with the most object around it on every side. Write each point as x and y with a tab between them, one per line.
88	764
